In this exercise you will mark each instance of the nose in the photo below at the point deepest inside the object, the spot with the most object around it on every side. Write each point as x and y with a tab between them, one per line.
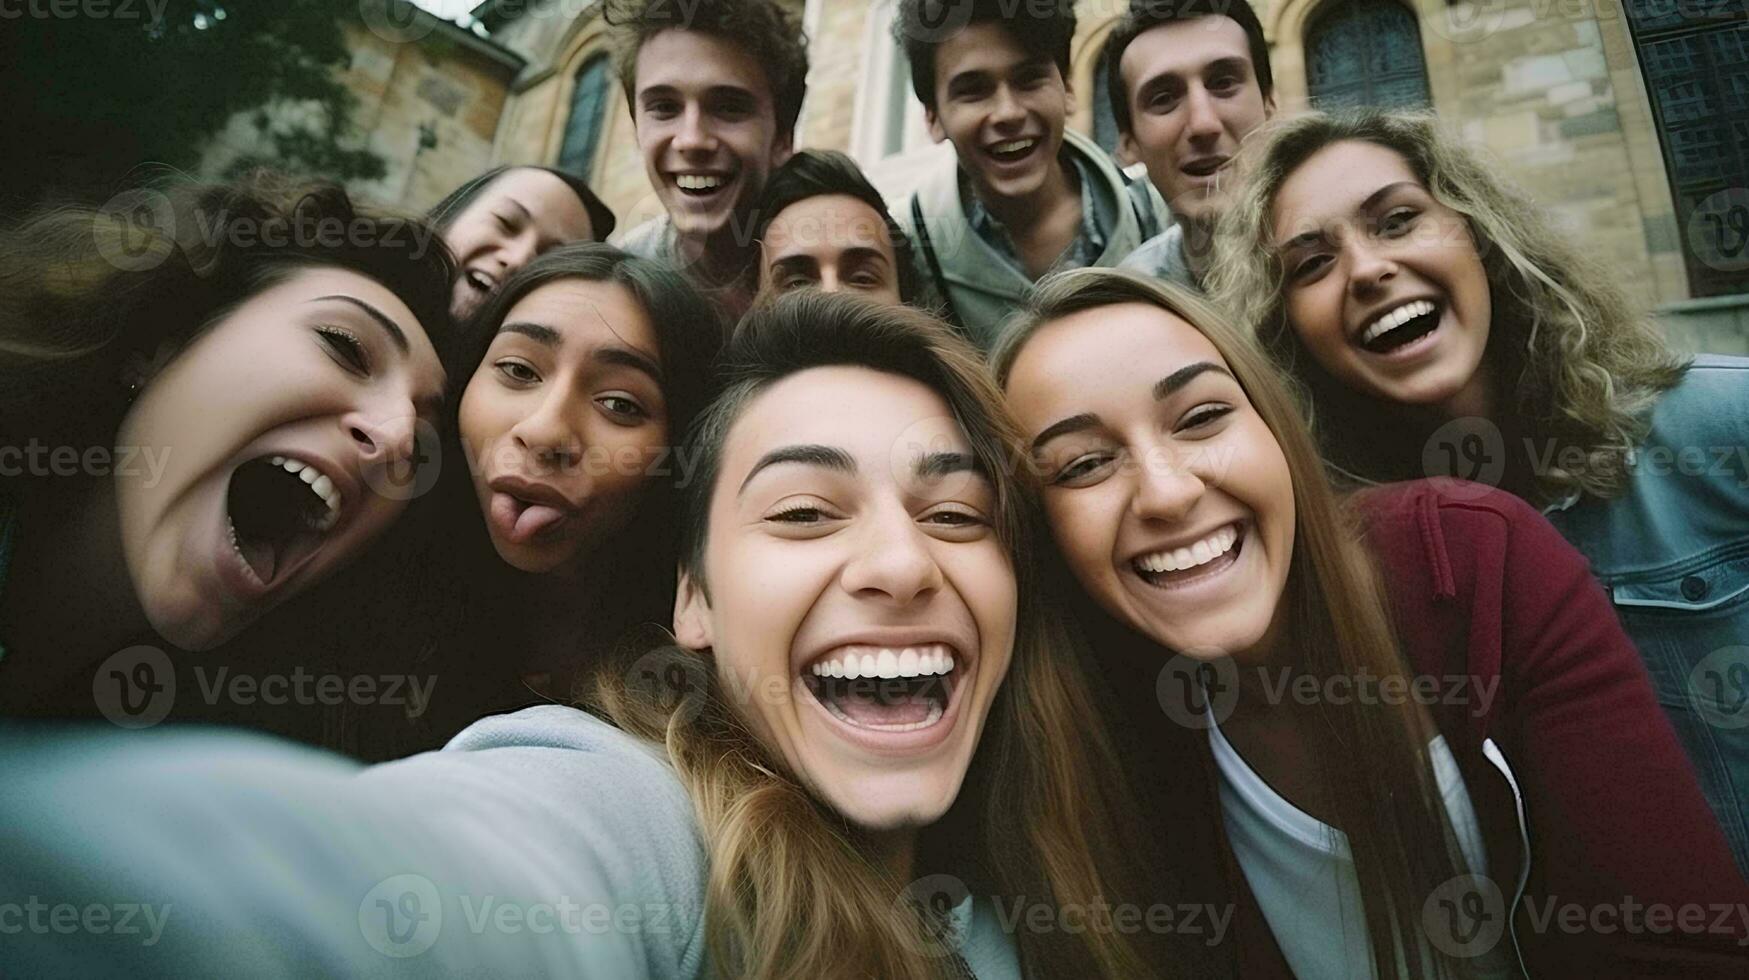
386	436
1203	123
1167	486
548	435
517	252
1007	109
1369	267
694	136
893	564
829	282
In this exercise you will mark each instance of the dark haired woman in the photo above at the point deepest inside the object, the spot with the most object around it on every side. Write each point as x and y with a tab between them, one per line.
501	220
200	416
1403	736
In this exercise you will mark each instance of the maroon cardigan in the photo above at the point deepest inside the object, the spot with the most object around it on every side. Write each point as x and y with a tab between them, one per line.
1483	588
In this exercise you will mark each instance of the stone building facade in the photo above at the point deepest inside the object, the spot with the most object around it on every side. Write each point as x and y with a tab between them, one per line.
1556	91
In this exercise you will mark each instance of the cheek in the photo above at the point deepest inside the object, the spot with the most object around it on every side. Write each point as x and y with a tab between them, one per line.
1084	531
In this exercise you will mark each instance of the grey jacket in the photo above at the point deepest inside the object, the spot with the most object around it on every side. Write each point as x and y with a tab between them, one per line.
542	843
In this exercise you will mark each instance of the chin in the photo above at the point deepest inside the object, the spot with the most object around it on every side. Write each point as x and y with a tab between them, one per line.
196	629
882	805
528	560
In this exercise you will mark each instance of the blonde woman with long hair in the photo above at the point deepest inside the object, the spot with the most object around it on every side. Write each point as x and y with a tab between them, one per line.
1442	326
1389	731
872	754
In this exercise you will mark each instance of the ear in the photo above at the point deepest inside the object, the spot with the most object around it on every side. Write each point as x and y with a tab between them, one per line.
693	628
782	149
1269	106
1127	152
936	133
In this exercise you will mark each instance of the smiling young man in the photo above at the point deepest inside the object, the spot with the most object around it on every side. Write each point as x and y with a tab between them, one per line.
714	90
821	224
1026	197
1188	82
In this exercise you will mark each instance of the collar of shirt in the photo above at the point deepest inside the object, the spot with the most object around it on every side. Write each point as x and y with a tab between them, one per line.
1097	219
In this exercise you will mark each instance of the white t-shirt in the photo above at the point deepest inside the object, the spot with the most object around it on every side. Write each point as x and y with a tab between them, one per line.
1302	873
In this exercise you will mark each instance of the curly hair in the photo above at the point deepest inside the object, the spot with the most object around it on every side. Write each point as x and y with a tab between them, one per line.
1576	364
84	289
762	28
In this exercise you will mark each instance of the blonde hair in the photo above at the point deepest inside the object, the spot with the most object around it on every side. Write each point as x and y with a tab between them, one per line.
1372	756
1044	812
1574	362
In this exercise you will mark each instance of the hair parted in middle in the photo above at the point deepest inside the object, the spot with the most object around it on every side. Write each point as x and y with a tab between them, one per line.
1044	811
762	28
1145	15
922	26
1372	755
1576	362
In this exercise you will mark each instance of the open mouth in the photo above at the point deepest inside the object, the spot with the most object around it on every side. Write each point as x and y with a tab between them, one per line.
1399	327
279	511
1206	558
902	689
1013	151
481	282
700	185
1204	166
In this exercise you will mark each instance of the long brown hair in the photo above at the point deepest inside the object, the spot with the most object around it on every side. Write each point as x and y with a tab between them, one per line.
1043	812
1576	364
1372	756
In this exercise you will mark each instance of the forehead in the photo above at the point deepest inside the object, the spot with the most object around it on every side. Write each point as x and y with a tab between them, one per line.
983	47
1333	182
588	314
882	420
307	285
1183	47
544	196
692	61
1097	356
827	224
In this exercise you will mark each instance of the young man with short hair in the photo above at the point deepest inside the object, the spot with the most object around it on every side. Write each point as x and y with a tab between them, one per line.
1026	196
821	224
1189	80
714	90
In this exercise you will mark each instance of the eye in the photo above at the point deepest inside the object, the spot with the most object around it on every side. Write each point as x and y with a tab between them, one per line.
795	282
1080	469
345	348
505	223
1224	83
867	280
662	108
516	371
1161	102
1309	266
955	518
800	513
1204	415
1396	223
625	408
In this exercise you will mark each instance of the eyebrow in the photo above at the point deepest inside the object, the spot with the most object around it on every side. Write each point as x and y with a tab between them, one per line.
807	455
612	354
1063	427
936	465
1171	383
395	333
1371	202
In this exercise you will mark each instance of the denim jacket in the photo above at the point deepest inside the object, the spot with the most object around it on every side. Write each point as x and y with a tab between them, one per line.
1673	551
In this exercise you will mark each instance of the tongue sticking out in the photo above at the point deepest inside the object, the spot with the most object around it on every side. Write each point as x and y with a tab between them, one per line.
522	519
273	515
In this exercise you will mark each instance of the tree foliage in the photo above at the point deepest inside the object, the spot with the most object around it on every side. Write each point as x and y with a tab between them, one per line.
119	83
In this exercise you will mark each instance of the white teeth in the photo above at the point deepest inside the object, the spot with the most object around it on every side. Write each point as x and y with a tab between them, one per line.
319	483
923	661
1014	146
1200	553
698	182
1392	319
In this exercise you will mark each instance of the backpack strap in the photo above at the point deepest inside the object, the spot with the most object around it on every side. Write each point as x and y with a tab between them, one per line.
928	246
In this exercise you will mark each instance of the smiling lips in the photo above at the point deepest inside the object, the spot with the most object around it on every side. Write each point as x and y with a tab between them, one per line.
885	690
1208	556
1399	326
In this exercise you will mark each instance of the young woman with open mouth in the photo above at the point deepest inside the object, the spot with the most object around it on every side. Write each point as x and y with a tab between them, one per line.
503	219
874	690
1442	326
1245	603
201	415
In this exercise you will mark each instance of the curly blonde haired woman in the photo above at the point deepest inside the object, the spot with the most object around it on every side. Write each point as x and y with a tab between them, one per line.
1443	326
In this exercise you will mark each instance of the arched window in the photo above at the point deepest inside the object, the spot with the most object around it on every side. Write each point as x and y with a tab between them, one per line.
1696	62
588	112
1365	53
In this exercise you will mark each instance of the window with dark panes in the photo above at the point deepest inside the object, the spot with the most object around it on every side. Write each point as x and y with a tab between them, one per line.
1366	53
588	112
1695	55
